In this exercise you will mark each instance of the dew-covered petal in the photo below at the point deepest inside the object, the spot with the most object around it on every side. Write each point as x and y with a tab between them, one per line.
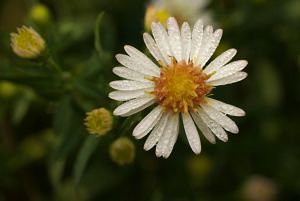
220	61
161	38
162	146
156	132
220	118
127	95
153	49
125	85
228	70
228	80
213	126
209	48
225	108
191	132
131	63
129	74
174	38
142	59
186	41
204	128
173	138
134	106
197	35
147	124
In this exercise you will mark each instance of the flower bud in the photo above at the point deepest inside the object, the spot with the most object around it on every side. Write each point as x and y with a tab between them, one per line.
27	43
99	121
155	14
122	151
40	14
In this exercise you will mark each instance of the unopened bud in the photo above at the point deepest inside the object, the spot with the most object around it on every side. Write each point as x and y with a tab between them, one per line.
99	121
27	43
122	151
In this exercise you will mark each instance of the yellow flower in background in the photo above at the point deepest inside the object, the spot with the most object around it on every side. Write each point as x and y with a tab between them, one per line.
7	89
27	43
122	151
99	121
182	10
156	14
40	14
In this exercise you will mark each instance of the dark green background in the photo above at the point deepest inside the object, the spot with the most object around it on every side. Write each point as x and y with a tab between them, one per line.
41	123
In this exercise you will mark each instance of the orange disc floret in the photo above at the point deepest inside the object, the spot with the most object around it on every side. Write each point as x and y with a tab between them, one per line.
181	86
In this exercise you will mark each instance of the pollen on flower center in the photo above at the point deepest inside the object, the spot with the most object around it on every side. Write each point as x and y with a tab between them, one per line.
181	86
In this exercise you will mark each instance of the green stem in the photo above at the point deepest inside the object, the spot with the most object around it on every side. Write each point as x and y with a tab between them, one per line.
54	66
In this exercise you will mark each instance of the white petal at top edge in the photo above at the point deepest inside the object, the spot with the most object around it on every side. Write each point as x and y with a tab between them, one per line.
161	37
186	41
142	59
197	35
174	38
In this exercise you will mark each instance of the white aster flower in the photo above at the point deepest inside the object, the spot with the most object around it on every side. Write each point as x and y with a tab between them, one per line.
179	86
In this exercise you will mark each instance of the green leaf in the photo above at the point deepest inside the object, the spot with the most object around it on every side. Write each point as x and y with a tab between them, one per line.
97	34
86	151
68	123
105	36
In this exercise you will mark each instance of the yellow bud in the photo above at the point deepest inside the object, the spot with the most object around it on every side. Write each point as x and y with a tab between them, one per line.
156	14
40	14
122	151
7	89
199	167
99	121
27	43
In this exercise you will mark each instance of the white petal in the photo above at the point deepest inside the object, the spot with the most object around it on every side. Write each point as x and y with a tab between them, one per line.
129	74
134	106
214	126
228	70
229	80
142	59
225	108
146	125
125	85
209	48
153	49
220	118
127	95
204	128
161	38
173	138
220	61
156	132
162	147
131	63
191	133
174	38
186	41
197	35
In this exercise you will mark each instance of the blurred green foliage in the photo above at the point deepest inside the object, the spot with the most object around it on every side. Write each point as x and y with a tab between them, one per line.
46	153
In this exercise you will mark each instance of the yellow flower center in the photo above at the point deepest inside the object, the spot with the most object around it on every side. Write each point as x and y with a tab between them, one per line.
27	39
181	87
